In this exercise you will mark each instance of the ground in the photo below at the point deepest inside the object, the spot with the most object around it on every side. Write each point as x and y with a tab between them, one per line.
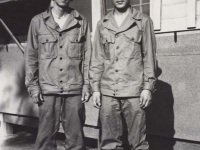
24	140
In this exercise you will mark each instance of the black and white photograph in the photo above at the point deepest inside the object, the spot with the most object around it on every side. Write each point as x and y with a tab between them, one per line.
99	74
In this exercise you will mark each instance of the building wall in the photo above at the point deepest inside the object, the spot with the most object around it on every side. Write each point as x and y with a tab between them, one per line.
175	109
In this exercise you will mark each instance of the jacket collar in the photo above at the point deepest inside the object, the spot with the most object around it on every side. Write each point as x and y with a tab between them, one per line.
73	19
135	16
48	14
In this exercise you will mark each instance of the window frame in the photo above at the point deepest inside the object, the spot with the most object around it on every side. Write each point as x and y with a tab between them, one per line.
141	4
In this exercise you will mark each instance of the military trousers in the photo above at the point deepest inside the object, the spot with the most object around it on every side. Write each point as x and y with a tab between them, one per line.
123	124
70	111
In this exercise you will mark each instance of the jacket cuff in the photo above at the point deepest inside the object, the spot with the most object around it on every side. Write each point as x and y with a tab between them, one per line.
86	88
95	89
34	90
148	86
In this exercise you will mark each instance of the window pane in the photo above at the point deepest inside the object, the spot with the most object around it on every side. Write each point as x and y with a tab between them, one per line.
135	2
109	4
137	7
145	9
145	1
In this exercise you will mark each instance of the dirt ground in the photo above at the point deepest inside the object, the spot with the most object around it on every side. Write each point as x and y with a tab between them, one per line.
24	140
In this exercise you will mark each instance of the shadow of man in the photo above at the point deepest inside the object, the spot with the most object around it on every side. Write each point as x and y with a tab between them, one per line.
160	117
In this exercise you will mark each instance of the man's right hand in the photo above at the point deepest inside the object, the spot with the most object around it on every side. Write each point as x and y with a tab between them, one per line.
96	99
37	98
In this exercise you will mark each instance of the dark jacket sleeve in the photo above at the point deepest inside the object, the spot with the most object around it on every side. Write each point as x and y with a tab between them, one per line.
149	51
97	61
31	61
87	57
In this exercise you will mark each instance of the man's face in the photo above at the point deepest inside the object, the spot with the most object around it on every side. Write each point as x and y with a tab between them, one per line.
62	3
121	4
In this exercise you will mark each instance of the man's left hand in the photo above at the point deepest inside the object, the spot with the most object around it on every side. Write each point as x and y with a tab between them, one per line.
145	99
85	97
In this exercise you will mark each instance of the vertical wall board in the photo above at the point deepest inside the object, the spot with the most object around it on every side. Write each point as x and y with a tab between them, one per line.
155	13
175	108
191	13
198	14
96	13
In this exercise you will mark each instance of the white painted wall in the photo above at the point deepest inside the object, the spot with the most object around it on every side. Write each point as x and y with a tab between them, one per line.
177	15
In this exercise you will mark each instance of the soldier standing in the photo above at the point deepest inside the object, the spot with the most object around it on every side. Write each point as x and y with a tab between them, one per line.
57	64
123	75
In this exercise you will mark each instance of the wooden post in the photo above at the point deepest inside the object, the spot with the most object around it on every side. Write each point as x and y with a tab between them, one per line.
5	128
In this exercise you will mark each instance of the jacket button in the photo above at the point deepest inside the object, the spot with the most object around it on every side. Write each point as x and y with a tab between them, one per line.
61	69
117	47
61	58
60	46
116	70
47	40
61	81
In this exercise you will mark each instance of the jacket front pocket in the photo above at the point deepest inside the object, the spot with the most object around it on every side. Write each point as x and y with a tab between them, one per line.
75	46
133	48
106	41
48	47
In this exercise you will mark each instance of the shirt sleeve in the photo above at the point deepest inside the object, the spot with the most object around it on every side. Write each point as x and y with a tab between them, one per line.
149	55
97	61
87	57
31	61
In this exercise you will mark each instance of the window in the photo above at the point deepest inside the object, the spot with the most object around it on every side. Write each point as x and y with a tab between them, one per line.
141	5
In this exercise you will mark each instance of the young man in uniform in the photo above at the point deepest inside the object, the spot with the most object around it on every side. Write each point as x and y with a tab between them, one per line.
57	65
123	76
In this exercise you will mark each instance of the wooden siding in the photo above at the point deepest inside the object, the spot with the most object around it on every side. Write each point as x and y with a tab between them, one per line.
179	15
